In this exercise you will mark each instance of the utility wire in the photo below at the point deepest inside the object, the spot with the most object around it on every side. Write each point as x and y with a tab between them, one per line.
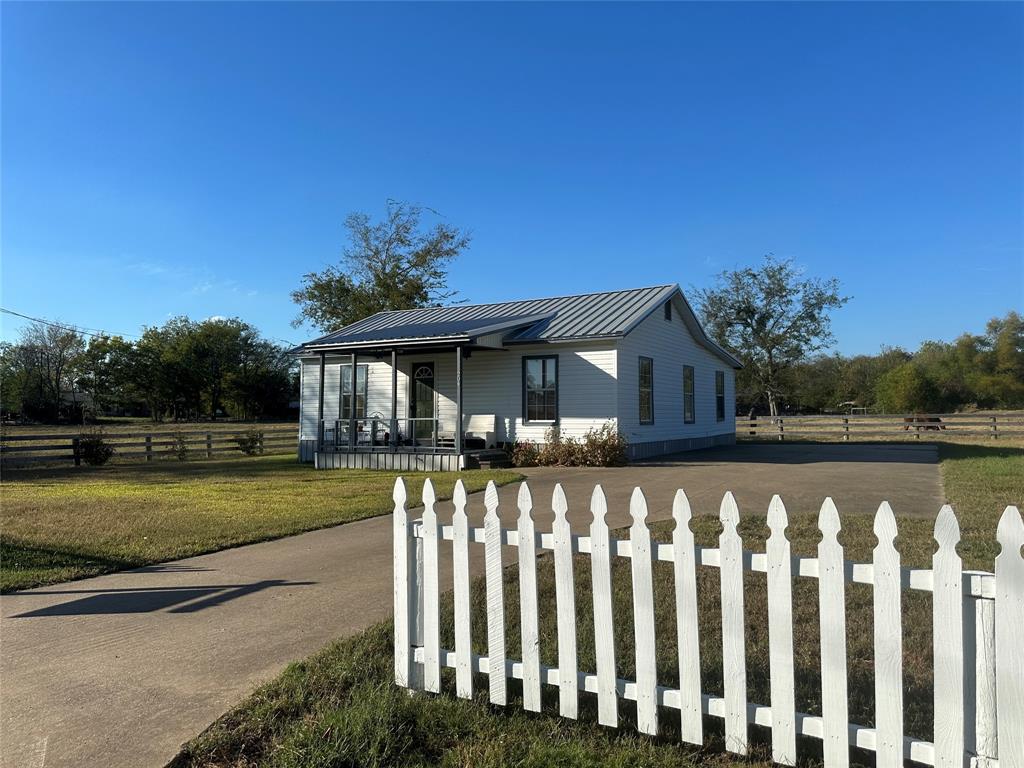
101	334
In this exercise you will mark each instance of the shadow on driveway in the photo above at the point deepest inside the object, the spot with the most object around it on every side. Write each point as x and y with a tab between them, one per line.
148	599
801	453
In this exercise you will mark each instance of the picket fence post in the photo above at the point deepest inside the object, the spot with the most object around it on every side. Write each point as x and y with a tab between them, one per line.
495	598
685	569
780	635
948	605
565	601
1009	621
734	655
460	568
431	594
888	641
529	632
832	616
604	620
643	617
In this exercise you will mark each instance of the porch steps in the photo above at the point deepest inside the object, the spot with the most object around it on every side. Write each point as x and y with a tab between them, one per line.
492	458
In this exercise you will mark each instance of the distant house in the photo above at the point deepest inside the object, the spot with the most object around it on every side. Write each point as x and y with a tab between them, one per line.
436	388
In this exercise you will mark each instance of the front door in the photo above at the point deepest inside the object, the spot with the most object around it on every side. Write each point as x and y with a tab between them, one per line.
421	402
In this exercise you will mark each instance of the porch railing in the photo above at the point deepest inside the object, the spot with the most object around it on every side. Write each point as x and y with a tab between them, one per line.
378	433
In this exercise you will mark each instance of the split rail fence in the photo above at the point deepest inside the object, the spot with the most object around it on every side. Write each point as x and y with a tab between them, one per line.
22	450
911	426
978	625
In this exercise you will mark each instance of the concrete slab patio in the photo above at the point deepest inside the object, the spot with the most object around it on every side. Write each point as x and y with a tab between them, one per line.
119	670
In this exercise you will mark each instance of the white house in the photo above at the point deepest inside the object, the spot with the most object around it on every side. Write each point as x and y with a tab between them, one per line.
437	388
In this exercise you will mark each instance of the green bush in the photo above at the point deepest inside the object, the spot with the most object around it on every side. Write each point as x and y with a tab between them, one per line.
94	450
251	443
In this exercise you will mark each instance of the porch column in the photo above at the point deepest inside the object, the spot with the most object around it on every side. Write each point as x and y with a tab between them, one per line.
458	401
394	400
352	404
320	405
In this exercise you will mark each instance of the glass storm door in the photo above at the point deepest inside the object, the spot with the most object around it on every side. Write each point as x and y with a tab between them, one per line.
421	402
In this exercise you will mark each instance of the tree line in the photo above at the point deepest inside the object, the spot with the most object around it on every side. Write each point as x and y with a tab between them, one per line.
183	370
975	371
777	322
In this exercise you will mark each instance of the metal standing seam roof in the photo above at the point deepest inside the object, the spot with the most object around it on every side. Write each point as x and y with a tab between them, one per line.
592	315
607	314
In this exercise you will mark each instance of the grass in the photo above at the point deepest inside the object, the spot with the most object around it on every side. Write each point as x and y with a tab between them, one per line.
340	706
67	523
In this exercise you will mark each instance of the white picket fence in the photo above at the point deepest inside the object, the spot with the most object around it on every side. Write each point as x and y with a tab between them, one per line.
978	627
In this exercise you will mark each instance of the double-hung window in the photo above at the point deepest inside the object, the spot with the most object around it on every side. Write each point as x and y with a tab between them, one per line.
719	395
540	388
346	391
646	390
689	408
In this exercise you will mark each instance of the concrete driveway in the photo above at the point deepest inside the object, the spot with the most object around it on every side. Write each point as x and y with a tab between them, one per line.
119	670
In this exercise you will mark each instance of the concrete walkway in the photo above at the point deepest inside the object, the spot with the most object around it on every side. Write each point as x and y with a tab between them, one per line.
119	670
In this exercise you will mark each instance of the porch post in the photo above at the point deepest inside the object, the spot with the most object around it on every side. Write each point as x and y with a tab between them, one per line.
320	405
352	404
394	400
458	401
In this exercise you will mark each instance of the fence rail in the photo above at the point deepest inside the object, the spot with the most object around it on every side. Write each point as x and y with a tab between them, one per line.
977	621
21	450
910	426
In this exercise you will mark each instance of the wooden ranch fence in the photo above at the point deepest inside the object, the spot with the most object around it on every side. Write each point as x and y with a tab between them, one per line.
911	426
978	619
23	450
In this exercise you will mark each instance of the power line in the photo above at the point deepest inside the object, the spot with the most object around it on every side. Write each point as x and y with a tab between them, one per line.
100	334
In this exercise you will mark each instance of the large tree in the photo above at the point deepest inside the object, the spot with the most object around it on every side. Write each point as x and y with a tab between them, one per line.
391	264
771	317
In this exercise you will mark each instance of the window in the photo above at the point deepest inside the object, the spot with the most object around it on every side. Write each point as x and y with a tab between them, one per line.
646	390
346	391
668	310
540	388
719	395
689	411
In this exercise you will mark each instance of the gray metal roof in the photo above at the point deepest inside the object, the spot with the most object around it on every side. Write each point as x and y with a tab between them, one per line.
592	315
602	315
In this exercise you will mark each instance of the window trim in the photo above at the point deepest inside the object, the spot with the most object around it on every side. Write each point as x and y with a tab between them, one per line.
526	413
692	396
639	389
719	398
343	397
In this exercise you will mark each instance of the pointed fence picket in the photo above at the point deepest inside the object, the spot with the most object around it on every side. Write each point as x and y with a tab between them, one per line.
977	624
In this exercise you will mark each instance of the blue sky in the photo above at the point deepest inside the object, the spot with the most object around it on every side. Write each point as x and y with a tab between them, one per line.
198	158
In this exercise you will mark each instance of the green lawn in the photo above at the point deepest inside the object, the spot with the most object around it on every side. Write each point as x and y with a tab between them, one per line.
66	523
340	707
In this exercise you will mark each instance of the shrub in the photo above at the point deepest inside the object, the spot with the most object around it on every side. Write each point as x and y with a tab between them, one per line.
94	450
251	443
179	446
602	447
523	453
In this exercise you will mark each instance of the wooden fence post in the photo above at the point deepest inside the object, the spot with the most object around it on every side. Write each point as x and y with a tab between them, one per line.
846	429
979	675
753	425
209	445
995	429
76	449
781	436
149	447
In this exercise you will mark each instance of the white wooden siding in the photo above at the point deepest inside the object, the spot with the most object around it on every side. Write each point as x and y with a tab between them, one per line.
671	345
492	389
